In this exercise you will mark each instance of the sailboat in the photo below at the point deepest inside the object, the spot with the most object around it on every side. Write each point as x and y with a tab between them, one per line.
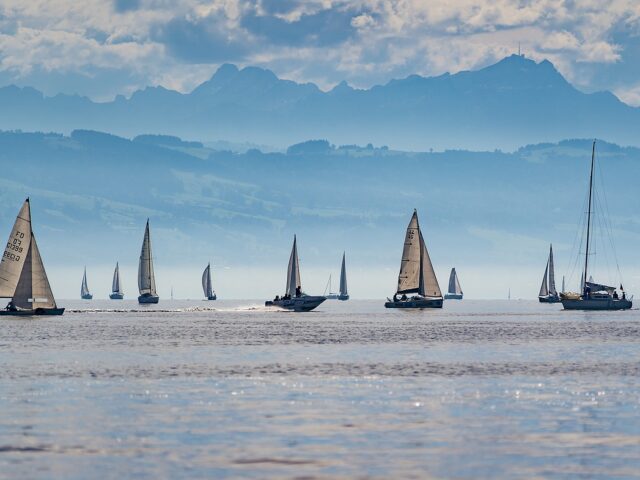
206	283
416	273
116	288
294	298
146	277
455	291
85	294
594	296
548	293
22	274
343	294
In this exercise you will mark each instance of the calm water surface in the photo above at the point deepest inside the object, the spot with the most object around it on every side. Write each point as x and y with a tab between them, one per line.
479	389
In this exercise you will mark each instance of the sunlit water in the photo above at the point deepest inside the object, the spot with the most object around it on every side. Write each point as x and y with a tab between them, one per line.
479	389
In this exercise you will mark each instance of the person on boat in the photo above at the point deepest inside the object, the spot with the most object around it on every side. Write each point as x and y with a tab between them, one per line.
615	295
11	307
404	297
587	291
395	298
277	298
298	291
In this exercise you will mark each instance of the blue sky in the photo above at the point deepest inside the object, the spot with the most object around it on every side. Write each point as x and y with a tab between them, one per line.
101	48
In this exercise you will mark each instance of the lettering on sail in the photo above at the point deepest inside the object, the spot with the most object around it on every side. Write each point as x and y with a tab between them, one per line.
14	247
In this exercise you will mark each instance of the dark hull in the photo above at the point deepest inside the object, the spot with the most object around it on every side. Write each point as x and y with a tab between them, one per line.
297	304
212	297
416	303
343	297
148	298
597	304
87	297
549	299
116	296
32	313
453	296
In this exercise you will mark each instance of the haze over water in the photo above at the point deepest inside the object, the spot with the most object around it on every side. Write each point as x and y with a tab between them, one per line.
478	390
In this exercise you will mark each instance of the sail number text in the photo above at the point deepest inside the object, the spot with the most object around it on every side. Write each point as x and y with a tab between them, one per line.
14	245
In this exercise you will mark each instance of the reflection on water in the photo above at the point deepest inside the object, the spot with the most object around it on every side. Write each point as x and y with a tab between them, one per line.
231	389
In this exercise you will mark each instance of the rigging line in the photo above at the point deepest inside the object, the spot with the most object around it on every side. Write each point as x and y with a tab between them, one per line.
608	221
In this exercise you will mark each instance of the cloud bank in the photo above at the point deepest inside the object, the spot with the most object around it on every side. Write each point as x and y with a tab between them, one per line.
100	48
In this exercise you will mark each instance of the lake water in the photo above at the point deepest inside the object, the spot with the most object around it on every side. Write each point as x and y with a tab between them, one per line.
479	389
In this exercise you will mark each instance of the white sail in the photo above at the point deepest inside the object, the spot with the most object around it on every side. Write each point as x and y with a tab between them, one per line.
115	284
552	277
343	277
563	284
544	289
409	276
33	289
146	277
454	283
84	289
207	287
15	252
293	271
428	285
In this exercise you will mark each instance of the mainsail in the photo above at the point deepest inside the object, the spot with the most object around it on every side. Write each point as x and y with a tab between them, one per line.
84	289
115	285
552	277
454	284
416	271
206	282
146	278
33	289
15	252
409	277
343	277
293	271
544	288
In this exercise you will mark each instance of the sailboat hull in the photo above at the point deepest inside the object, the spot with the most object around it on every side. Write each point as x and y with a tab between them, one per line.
87	296
415	303
337	296
148	298
597	304
549	299
32	313
212	297
306	303
116	296
453	296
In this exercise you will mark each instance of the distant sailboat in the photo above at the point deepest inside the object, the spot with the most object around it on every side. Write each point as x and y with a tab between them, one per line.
548	293
294	298
343	294
206	284
146	277
116	288
416	273
22	274
85	294
455	291
594	296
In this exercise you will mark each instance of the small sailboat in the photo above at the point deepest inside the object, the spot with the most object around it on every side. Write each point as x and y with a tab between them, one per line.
343	294
416	273
22	274
455	291
146	277
548	293
294	298
116	288
206	284
594	296
85	294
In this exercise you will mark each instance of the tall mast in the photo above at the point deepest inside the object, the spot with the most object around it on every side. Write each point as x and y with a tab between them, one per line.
586	255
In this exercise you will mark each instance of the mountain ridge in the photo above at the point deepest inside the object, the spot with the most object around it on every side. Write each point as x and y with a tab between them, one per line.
512	102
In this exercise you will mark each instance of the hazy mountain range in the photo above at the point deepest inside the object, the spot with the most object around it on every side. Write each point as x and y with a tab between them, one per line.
491	214
514	102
